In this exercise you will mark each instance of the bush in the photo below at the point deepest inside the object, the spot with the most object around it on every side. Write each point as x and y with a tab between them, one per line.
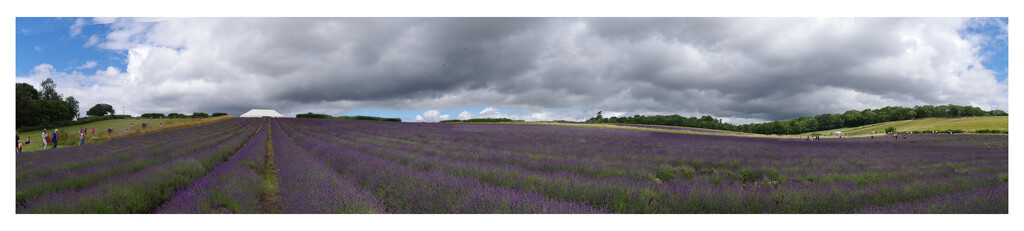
890	129
84	120
200	115
313	115
153	115
373	118
995	131
215	114
176	116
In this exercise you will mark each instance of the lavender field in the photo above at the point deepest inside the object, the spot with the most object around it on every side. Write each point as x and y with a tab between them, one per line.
352	166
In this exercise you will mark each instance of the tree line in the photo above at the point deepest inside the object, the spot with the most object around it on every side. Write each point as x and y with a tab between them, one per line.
358	117
181	116
803	124
46	107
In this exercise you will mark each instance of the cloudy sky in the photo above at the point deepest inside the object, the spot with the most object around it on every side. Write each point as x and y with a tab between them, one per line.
429	69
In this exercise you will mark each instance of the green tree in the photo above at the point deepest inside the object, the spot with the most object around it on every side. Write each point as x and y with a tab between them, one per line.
890	129
829	121
50	111
924	111
100	110
72	105
25	95
49	90
853	118
152	115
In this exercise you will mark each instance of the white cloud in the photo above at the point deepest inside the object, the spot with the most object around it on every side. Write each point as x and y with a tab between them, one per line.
87	65
465	115
543	115
489	110
431	116
76	28
93	40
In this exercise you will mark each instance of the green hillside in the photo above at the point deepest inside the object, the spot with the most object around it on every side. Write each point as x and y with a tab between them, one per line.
118	125
968	124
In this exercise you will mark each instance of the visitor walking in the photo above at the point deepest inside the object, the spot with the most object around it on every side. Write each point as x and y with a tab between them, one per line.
46	138
54	138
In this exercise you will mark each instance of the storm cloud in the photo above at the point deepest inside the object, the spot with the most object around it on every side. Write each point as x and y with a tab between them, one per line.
746	69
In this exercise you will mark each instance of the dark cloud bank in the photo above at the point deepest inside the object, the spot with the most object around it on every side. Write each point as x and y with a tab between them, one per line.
742	68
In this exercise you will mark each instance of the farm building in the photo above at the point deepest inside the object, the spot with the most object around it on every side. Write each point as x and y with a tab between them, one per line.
256	113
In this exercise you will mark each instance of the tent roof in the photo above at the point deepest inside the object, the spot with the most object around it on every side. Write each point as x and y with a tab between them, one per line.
261	113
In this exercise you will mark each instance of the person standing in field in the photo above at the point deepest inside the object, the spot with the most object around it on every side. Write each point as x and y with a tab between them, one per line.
161	125
81	138
126	131
46	138
18	139
94	130
19	146
54	138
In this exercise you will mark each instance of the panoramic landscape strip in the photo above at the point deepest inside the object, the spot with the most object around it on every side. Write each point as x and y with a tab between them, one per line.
360	166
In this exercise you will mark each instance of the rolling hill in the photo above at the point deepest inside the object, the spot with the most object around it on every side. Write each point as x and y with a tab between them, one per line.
118	126
968	124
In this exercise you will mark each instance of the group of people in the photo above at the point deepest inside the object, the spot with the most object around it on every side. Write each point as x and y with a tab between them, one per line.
48	139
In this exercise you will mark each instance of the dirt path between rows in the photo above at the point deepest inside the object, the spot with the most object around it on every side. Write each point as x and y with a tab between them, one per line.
269	202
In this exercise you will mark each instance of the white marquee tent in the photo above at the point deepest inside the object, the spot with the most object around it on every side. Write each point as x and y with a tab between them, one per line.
261	113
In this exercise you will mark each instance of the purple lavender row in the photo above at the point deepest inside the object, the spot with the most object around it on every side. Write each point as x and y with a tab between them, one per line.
475	153
128	157
307	186
83	152
893	161
100	156
231	187
83	156
142	191
134	161
989	200
832	165
617	194
406	190
674	128
704	196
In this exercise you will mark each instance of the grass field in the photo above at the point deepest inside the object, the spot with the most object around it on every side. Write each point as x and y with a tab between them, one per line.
968	124
118	125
